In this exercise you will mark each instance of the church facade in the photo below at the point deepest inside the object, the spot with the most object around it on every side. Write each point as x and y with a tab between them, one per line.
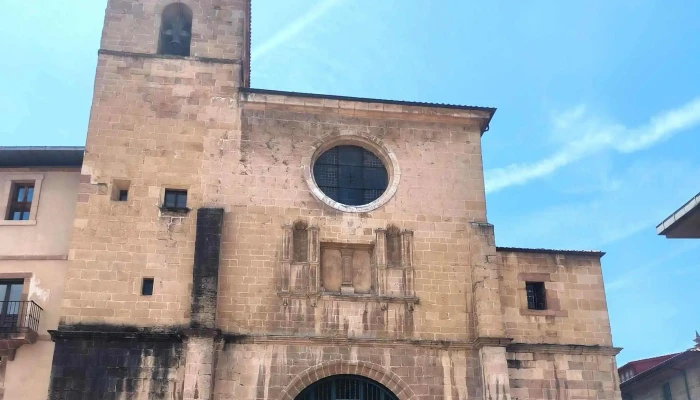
239	243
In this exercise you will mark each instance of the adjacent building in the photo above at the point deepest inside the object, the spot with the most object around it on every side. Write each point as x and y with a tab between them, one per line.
684	223
669	377
238	243
38	194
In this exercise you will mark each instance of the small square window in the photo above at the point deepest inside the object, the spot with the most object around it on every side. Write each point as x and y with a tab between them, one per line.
123	195
536	296
175	199
20	205
120	189
147	287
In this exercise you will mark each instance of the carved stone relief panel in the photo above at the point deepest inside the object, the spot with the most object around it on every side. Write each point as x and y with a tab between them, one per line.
362	271
331	270
346	268
382	269
299	259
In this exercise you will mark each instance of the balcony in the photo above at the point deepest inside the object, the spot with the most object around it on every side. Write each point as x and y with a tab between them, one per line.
19	324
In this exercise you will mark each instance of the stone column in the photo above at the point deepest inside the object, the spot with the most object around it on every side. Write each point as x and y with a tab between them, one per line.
380	261
347	287
200	338
494	373
314	260
286	257
486	305
407	263
199	367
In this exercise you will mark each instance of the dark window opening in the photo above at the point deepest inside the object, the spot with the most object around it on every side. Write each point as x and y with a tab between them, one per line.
667	391
393	246
300	242
10	303
147	287
123	195
175	199
346	387
351	175
536	296
175	30
20	206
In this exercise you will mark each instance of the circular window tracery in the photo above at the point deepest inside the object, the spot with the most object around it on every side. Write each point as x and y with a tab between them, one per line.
380	172
351	175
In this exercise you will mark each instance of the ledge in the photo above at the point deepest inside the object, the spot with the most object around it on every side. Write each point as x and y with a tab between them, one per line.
544	313
11	341
575	349
366	107
173	211
344	341
350	297
166	56
588	253
491	342
5	222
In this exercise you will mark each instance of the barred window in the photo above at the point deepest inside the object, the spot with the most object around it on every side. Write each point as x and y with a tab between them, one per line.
351	175
536	296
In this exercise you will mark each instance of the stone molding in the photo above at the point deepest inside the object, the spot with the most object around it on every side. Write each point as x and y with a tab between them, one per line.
490	342
129	54
366	369
61	257
575	349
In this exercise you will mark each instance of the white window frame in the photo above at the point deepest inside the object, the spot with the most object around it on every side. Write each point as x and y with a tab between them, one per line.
7	192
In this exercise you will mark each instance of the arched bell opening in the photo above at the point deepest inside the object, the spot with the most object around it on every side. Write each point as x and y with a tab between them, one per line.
175	30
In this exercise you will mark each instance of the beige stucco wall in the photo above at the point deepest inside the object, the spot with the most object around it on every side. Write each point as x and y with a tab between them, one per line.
37	253
54	218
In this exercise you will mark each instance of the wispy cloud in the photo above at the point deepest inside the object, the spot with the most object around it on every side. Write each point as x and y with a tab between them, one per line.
589	134
645	192
294	28
632	277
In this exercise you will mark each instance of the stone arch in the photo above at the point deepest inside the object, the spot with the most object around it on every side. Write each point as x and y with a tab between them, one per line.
175	31
366	369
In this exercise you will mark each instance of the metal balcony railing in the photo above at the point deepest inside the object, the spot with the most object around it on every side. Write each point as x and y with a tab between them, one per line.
16	316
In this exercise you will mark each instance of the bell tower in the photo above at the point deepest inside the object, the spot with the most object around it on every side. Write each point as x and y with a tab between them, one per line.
214	30
164	124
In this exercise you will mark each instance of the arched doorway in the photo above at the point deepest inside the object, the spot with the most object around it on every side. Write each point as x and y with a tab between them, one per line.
346	387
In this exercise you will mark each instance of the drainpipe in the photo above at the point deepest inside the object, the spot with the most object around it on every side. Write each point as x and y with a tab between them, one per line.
685	379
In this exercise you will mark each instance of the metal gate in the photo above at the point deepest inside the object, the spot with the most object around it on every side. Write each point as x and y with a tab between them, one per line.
346	387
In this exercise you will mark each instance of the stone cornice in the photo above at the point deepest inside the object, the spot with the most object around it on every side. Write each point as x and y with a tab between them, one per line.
129	54
340	341
257	99
179	333
562	349
490	342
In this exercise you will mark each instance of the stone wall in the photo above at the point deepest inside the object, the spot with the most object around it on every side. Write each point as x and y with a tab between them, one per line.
219	27
155	124
548	375
576	312
280	370
121	367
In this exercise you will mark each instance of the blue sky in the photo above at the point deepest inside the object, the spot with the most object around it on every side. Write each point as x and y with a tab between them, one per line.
593	144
